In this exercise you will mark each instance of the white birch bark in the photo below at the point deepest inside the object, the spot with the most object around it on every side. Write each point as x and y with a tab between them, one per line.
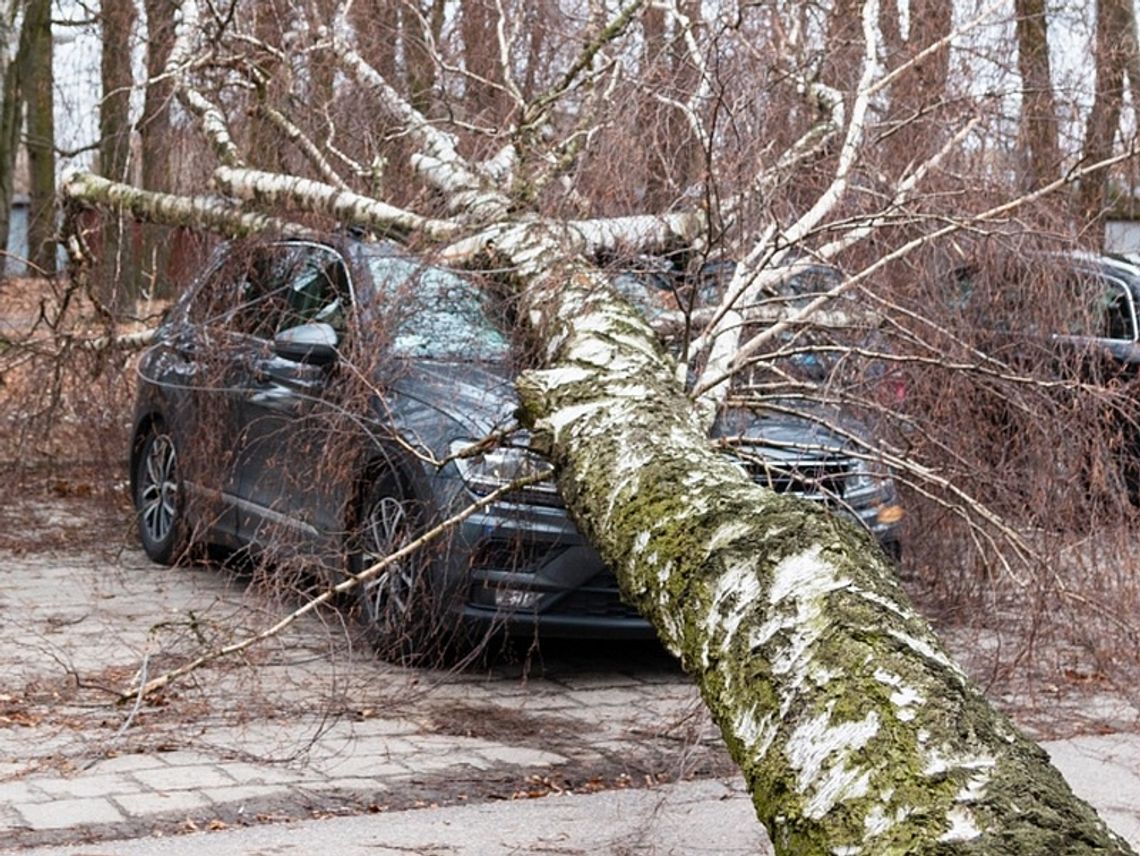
273	189
855	730
209	212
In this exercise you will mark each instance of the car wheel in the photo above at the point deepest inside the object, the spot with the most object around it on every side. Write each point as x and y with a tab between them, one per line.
158	497
395	605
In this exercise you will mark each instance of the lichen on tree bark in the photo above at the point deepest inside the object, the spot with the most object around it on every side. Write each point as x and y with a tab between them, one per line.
854	729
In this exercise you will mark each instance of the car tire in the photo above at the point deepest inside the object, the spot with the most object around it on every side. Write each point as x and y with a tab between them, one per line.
396	607
158	497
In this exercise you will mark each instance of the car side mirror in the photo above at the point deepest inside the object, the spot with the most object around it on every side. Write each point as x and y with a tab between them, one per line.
315	344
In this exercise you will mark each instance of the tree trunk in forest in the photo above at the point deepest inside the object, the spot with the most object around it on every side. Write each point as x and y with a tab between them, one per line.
1113	19
845	39
119	264
10	112
155	138
674	154
37	85
1038	106
265	145
478	20
918	114
419	57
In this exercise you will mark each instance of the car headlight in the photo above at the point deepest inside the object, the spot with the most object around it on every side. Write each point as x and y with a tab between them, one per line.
500	466
865	475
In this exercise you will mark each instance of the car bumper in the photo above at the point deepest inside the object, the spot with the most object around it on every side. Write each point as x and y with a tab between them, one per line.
530	572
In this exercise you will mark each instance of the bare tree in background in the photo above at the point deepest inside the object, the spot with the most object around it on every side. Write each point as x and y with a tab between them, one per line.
1038	106
115	156
11	24
155	134
37	82
1115	54
854	729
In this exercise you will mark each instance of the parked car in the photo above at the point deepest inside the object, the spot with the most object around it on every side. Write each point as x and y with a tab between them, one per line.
298	402
1065	316
1093	299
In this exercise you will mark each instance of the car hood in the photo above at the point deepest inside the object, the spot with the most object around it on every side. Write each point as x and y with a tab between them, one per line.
474	399
787	436
477	399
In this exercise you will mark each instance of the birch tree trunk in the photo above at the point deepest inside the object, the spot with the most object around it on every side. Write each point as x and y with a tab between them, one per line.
854	729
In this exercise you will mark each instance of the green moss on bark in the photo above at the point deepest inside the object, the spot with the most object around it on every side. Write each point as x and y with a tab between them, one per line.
853	728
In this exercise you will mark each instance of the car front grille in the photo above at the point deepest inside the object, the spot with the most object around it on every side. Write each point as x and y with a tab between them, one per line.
819	479
597	598
544	494
822	479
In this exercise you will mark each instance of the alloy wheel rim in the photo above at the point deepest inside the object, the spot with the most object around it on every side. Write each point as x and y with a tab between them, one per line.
158	494
385	531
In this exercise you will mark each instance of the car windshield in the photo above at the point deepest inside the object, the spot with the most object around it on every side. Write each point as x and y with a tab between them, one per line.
436	314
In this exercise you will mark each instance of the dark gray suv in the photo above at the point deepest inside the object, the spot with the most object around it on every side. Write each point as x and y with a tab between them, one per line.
316	404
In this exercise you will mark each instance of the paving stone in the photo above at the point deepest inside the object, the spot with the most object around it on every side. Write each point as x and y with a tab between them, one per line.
21	792
387	727
623	699
594	681
10	820
521	756
149	803
539	702
190	777
251	774
354	784
60	814
367	766
242	793
128	763
86	786
184	759
446	743
329	750
435	762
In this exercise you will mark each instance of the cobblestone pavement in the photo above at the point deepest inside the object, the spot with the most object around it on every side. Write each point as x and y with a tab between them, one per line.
304	726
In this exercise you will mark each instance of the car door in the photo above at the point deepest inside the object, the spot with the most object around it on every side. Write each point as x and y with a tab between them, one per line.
292	426
202	359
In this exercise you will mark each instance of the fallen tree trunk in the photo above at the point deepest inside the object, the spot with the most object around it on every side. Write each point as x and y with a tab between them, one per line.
854	729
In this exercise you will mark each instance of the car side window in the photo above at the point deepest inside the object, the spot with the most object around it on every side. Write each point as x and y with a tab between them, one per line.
1117	316
1100	307
315	288
270	288
228	295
